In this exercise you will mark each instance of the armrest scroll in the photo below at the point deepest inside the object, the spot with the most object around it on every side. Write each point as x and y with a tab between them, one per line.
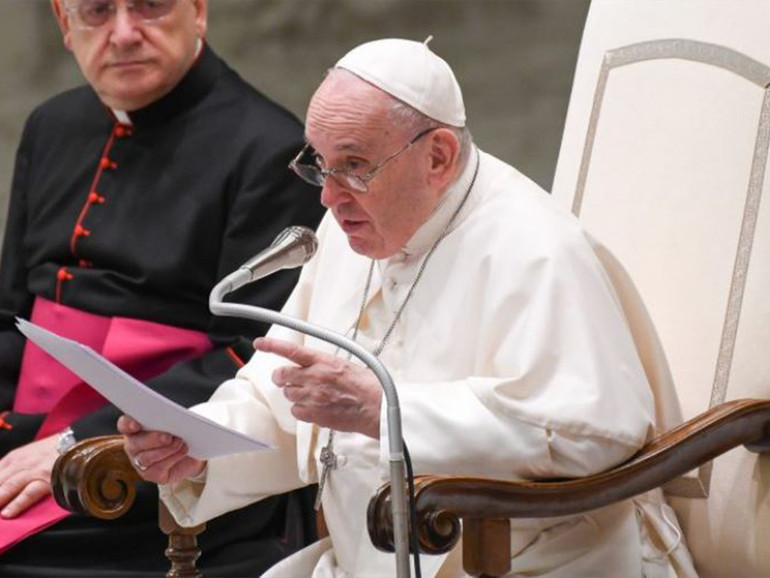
94	477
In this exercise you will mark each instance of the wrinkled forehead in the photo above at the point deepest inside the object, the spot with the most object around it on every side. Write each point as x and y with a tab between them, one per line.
351	112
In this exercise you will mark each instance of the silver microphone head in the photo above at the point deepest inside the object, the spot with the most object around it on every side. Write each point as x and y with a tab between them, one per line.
298	238
293	247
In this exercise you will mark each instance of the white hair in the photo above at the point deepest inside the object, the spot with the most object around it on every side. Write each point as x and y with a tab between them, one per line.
408	117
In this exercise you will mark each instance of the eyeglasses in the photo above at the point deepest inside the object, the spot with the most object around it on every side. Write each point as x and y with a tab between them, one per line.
95	13
309	169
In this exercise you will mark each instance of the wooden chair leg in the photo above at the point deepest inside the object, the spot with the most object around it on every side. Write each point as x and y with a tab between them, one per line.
183	550
486	546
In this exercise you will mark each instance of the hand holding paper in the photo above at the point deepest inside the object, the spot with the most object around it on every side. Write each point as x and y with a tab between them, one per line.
205	439
159	457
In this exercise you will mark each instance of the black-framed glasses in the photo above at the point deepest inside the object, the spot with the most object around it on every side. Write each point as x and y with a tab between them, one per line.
306	166
96	13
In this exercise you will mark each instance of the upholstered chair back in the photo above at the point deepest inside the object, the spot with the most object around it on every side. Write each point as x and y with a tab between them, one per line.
664	160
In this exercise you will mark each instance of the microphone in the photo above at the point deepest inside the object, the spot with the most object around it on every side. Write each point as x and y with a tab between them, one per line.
293	247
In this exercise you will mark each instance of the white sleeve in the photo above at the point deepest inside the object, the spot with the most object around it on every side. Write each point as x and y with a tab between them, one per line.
251	404
557	389
449	431
236	481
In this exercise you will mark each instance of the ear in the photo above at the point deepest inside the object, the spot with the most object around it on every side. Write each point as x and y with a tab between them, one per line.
444	154
201	17
63	21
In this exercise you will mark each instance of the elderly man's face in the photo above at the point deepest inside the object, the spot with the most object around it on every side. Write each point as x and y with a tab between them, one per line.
131	63
349	128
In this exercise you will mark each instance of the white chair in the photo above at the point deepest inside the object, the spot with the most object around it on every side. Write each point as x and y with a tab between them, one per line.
663	160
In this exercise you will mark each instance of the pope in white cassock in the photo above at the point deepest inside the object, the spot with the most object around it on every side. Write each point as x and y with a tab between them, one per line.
508	347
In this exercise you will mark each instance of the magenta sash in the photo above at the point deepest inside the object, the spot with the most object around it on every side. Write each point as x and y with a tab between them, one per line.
141	348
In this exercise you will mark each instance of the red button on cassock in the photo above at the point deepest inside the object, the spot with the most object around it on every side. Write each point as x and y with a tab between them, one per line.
63	275
95	198
122	130
108	164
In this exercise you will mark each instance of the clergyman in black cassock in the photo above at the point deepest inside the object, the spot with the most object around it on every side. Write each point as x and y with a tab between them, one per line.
130	219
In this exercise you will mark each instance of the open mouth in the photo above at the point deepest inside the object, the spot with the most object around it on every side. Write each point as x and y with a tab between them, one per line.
351	226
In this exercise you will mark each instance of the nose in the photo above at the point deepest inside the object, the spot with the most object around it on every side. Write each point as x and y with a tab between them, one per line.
125	32
333	193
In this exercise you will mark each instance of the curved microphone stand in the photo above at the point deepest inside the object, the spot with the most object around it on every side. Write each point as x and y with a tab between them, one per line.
395	439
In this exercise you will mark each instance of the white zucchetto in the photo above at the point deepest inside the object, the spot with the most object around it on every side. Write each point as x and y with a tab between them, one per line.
412	73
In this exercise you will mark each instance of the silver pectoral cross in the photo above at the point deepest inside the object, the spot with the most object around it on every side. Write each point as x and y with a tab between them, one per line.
329	462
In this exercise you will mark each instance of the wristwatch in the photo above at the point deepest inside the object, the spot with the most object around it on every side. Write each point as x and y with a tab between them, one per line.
66	440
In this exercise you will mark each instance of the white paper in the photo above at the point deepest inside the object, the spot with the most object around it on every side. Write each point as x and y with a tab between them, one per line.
204	438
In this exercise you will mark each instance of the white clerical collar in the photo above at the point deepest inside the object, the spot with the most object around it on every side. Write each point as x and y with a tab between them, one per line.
122	116
427	234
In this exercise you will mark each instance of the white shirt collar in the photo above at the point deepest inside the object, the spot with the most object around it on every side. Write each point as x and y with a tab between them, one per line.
122	117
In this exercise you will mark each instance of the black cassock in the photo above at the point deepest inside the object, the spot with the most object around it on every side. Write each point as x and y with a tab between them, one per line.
141	221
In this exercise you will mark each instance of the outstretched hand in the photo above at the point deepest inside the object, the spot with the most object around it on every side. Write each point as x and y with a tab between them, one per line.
325	389
157	456
25	476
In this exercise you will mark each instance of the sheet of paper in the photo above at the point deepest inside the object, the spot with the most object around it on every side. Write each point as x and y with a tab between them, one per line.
205	438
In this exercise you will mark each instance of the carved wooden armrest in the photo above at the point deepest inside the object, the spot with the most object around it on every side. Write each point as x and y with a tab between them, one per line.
95	478
486	506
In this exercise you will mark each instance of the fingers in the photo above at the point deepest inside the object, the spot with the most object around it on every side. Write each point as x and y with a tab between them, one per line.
151	445
284	377
144	460
294	393
327	370
10	489
173	468
325	389
157	456
147	441
24	496
305	414
291	351
25	475
128	425
6	470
